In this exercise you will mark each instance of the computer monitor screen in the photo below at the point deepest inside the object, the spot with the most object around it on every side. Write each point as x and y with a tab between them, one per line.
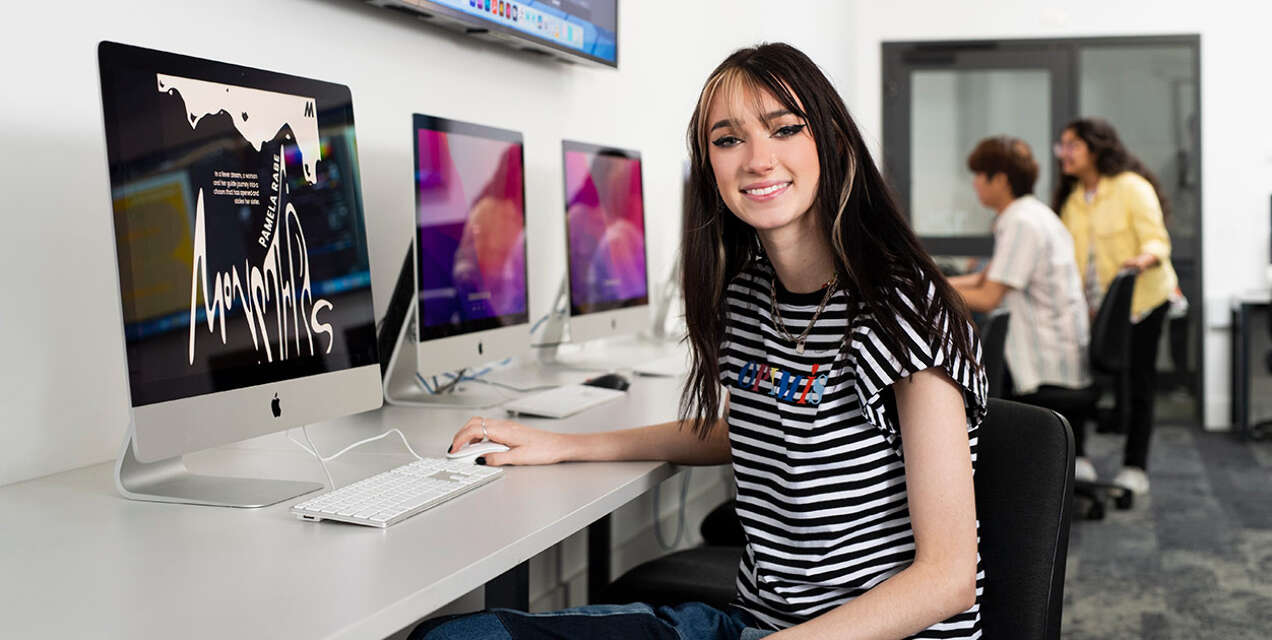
470	218
239	235
605	228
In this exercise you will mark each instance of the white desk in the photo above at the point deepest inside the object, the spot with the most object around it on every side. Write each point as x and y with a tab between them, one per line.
77	560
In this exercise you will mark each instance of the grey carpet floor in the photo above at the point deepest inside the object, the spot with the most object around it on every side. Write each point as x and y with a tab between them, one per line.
1191	560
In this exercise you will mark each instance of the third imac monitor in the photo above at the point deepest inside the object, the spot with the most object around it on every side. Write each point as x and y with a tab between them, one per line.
470	244
605	240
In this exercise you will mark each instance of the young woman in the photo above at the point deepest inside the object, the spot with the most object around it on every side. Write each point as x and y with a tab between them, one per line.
1115	211
853	384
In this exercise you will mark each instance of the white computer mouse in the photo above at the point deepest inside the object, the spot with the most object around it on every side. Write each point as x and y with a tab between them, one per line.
471	452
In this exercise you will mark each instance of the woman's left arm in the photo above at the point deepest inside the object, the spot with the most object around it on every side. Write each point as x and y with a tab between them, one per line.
941	582
1149	226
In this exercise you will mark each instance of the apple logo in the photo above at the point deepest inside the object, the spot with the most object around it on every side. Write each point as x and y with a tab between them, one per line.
479	348
276	407
613	324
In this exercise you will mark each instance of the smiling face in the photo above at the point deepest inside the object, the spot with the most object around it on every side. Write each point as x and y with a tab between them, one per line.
764	158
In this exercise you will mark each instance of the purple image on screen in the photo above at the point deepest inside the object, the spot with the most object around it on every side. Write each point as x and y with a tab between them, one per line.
471	222
605	220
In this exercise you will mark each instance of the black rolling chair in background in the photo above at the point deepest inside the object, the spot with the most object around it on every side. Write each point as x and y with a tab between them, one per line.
1110	355
1024	489
993	335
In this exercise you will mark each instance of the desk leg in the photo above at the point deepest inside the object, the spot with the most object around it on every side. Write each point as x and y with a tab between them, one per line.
598	557
511	589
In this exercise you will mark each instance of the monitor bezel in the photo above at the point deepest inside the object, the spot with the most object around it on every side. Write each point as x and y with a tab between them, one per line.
170	428
446	125
576	311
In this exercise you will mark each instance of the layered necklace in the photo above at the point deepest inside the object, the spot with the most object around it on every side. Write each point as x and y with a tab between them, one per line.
781	324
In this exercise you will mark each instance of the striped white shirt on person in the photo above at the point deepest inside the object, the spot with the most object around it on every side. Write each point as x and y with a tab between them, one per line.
817	452
1049	328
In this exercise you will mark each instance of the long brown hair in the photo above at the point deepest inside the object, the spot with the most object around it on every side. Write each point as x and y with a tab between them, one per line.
1111	158
877	255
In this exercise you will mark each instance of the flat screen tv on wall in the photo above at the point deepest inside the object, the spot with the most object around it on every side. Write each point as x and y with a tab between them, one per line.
570	30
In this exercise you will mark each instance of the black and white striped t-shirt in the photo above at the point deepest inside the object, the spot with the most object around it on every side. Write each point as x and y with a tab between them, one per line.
817	451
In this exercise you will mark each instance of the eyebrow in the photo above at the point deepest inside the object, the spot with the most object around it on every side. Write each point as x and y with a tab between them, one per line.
772	115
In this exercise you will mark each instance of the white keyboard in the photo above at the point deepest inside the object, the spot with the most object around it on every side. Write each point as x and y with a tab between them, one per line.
668	366
397	494
563	401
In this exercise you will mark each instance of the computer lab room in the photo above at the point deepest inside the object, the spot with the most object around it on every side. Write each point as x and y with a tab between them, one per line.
636	319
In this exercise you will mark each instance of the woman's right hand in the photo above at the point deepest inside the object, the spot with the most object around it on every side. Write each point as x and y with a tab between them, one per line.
526	445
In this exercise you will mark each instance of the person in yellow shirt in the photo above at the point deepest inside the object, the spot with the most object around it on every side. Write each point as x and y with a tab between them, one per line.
1113	207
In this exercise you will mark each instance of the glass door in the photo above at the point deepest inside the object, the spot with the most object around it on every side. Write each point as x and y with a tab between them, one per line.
941	98
939	101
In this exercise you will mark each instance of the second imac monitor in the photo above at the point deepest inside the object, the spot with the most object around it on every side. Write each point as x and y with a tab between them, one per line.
470	245
605	240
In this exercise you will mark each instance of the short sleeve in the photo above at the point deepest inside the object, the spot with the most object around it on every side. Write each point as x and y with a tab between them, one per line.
1016	248
877	367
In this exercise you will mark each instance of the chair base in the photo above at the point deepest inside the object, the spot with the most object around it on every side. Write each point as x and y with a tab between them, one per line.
1098	495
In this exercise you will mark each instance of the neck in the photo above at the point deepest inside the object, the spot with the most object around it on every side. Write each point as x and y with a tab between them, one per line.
1003	204
1089	179
800	254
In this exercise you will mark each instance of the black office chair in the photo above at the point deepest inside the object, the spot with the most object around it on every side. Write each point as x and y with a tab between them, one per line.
1024	500
993	336
1110	355
1024	488
1111	358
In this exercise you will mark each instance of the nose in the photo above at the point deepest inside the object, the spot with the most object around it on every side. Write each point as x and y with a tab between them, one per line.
762	158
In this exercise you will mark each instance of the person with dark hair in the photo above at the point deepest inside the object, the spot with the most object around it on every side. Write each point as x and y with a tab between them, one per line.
1032	274
1112	205
832	364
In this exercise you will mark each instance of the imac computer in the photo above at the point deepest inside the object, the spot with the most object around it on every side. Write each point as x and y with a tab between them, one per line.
241	254
469	304
608	286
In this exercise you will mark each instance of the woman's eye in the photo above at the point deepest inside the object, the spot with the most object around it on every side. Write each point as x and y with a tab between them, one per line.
725	142
789	130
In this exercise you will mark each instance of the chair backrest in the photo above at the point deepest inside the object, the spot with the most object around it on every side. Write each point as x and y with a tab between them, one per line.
1111	330
1024	499
993	335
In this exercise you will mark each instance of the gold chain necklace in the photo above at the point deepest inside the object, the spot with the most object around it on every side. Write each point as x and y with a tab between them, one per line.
781	324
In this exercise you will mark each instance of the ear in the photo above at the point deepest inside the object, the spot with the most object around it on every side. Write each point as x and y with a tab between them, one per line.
1000	181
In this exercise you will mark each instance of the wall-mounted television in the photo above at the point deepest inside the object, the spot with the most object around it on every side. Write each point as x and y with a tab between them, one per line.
571	30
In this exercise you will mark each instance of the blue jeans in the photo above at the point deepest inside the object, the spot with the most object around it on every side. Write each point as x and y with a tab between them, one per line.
691	621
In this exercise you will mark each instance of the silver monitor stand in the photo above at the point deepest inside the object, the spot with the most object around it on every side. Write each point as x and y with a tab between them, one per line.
169	480
558	351
402	384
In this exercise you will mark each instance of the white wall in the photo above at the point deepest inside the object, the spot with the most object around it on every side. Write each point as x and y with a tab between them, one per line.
1236	128
62	386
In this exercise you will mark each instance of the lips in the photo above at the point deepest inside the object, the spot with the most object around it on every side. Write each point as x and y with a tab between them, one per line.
766	190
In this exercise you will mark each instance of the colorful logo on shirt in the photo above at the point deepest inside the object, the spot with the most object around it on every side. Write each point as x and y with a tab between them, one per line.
787	386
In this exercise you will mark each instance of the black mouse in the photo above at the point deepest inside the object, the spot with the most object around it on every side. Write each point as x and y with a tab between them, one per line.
609	381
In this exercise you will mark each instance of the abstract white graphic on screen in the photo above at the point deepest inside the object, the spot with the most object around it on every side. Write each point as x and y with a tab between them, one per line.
279	287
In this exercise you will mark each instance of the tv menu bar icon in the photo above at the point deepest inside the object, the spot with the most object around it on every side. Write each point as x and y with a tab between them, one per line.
545	25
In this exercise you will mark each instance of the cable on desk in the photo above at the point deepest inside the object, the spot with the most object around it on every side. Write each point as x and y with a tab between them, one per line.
478	377
323	460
